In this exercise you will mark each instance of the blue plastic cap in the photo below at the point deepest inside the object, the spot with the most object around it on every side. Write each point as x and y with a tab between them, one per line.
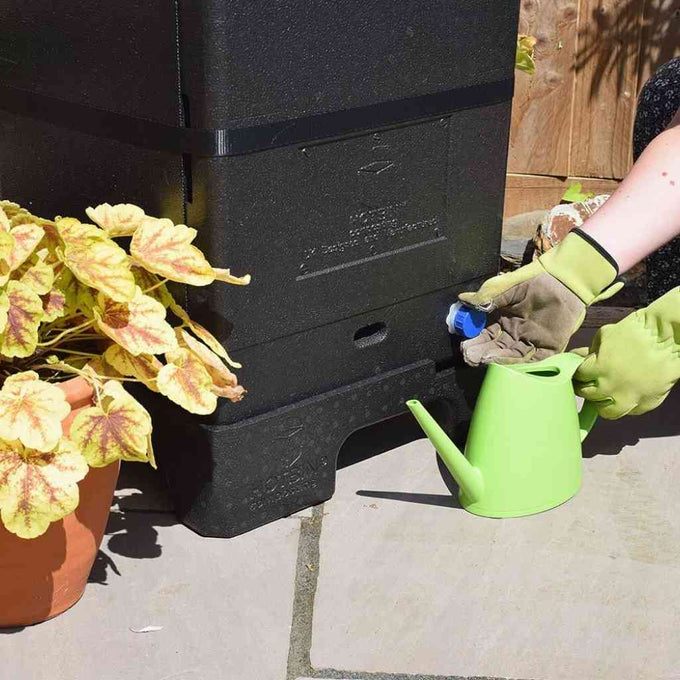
465	321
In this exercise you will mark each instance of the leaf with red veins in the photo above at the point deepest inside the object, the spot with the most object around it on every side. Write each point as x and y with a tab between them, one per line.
185	381
117	428
117	220
165	248
38	487
54	305
31	411
139	326
26	239
20	335
144	367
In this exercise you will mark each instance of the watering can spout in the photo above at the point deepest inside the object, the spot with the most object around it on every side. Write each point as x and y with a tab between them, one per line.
469	478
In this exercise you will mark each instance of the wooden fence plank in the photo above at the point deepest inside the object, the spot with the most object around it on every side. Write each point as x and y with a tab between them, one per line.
660	40
524	193
606	87
539	136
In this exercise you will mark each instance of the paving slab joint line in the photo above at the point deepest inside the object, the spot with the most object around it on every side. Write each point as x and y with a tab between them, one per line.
306	579
333	674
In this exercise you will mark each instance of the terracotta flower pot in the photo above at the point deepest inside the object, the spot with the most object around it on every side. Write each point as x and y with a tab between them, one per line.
44	576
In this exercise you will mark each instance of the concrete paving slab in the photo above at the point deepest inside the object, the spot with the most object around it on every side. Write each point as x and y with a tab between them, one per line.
410	583
225	609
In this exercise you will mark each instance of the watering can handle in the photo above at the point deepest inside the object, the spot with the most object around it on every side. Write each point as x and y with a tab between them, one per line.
587	418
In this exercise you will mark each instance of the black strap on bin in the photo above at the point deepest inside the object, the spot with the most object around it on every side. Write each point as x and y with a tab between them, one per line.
234	141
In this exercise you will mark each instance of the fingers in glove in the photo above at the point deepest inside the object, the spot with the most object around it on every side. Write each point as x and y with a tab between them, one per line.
494	346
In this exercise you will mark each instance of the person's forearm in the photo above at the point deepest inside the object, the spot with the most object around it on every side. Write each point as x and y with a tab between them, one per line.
644	212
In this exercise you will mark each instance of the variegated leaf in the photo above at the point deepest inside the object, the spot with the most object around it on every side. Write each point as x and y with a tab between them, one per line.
139	326
74	233
37	488
151	285
226	276
25	312
26	239
31	411
118	427
225	383
185	381
100	370
117	220
36	274
165	248
102	265
6	247
4	310
204	334
144	367
54	305
78	296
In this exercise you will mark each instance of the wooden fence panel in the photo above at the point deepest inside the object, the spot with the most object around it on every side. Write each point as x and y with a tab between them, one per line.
541	117
606	87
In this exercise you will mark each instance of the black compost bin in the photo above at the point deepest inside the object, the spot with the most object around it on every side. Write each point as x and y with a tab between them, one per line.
349	155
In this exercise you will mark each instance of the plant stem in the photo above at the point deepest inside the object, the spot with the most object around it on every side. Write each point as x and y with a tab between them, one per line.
63	334
156	285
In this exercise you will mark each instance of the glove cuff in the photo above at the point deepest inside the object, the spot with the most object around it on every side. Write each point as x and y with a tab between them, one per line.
582	265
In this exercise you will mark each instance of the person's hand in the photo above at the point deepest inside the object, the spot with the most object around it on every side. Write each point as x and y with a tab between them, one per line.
538	307
632	365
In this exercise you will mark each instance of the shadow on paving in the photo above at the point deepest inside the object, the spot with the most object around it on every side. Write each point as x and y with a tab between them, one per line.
609	437
141	504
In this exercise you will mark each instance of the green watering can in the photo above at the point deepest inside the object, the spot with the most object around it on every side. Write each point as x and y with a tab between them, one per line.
523	453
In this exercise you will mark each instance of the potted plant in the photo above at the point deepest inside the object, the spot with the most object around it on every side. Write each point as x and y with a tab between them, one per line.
81	318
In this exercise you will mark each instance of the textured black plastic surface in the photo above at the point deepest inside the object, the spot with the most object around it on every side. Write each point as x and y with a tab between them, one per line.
357	244
285	460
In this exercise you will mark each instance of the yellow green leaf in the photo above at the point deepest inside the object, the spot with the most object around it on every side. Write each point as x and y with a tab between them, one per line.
26	239
204	334
6	246
74	233
118	427
225	383
117	220
25	312
524	56
144	367
12	209
226	276
4	220
31	411
78	296
36	487
4	309
185	381
165	248
36	274
54	305
139	326
151	285
102	264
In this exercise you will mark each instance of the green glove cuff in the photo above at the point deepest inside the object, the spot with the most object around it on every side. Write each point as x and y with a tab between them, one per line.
582	265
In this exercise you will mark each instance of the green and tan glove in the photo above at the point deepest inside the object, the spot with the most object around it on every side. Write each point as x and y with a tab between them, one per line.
541	305
633	364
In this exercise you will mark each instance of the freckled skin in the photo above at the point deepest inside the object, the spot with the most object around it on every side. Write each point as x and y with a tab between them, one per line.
672	183
664	174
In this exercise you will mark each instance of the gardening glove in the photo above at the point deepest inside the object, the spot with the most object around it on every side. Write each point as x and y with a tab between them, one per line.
541	305
632	365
